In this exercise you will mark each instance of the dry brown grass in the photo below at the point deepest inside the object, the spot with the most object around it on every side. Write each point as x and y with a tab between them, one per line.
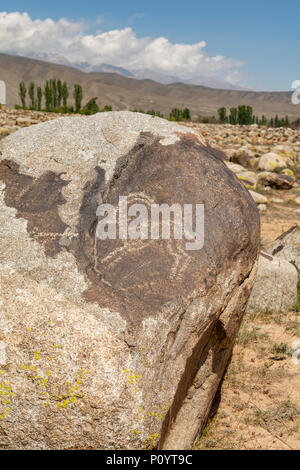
260	402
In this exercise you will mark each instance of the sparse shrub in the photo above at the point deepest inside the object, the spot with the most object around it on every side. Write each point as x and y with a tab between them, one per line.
248	336
280	348
107	108
91	107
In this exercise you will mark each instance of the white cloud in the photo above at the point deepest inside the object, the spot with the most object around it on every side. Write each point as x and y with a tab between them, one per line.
71	42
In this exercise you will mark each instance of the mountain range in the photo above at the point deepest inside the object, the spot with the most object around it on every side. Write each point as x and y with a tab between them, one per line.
125	89
140	74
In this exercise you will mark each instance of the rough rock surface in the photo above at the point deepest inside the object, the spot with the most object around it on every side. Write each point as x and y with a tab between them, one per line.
287	246
275	287
272	161
276	181
258	198
115	344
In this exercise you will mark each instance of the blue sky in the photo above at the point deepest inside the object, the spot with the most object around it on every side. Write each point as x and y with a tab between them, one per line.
263	35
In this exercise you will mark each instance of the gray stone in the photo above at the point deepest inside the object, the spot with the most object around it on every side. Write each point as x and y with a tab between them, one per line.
275	287
258	198
272	161
287	246
262	207
116	344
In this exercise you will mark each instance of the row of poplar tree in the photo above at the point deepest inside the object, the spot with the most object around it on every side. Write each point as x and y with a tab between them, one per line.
56	94
243	115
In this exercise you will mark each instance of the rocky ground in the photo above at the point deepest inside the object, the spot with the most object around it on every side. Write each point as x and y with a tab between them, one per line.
259	404
11	120
267	161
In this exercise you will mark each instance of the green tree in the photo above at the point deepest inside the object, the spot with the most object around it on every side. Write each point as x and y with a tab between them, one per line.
65	94
59	93
176	115
91	107
107	108
245	115
39	98
31	93
222	115
77	97
22	94
186	114
233	116
53	86
48	96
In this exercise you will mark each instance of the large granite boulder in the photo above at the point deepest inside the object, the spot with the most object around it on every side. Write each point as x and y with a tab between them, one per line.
117	343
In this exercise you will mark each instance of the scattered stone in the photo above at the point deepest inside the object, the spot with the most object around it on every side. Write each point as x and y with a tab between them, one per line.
262	207
24	121
289	172
286	151
258	198
275	287
275	180
277	200
249	178
4	132
272	161
244	158
234	167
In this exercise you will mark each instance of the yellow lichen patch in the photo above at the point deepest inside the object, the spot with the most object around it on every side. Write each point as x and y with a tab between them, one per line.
37	355
39	374
289	172
151	442
6	395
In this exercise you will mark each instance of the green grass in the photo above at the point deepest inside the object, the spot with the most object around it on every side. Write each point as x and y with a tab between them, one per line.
286	411
248	336
297	306
281	348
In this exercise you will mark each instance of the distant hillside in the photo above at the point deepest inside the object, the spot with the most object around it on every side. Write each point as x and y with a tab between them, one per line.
128	93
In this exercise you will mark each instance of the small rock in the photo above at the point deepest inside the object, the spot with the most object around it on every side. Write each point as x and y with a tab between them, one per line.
258	198
275	180
272	161
26	121
249	178
262	207
3	132
277	200
234	167
285	151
